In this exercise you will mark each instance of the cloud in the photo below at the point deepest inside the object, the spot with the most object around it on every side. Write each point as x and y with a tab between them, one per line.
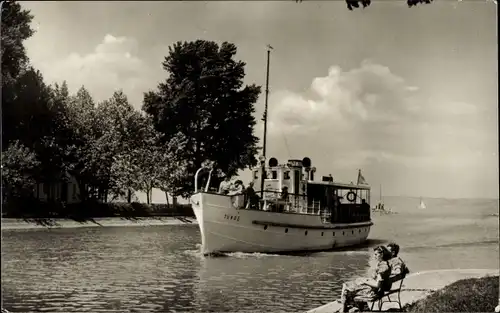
368	94
362	109
371	118
113	64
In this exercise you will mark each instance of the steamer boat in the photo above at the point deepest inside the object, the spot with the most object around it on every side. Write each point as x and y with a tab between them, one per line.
289	212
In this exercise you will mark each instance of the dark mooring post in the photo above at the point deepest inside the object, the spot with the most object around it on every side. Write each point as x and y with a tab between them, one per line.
263	159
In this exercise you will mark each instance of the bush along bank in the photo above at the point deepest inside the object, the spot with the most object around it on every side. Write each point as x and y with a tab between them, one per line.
88	210
467	295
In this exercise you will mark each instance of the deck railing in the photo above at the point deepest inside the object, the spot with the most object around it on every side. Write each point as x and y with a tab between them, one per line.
275	201
298	204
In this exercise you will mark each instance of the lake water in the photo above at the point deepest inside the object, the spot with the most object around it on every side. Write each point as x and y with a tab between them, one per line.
158	268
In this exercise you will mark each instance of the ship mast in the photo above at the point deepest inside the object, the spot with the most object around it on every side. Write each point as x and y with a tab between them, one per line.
380	195
264	118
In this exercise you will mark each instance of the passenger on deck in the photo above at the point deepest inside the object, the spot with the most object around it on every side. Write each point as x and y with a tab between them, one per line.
284	194
369	287
249	191
365	208
397	265
251	198
225	186
237	188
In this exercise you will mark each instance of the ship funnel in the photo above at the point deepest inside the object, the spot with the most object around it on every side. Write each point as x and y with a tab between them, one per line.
306	162
273	162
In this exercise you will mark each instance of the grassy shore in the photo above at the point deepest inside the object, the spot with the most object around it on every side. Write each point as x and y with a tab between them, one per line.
467	295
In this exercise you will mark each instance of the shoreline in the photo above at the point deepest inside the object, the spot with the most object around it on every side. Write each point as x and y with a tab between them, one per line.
59	223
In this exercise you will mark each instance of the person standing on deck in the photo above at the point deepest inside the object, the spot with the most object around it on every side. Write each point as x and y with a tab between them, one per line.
225	185
284	194
365	208
251	198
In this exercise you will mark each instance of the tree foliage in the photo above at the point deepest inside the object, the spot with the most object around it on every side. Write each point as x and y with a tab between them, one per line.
203	111
19	171
351	4
128	147
15	29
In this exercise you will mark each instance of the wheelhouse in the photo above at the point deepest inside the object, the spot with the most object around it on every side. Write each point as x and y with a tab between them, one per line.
291	188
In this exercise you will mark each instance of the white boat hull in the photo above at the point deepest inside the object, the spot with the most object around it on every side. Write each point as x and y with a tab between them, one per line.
224	228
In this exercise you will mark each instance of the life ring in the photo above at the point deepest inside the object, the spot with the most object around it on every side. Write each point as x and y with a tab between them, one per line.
351	196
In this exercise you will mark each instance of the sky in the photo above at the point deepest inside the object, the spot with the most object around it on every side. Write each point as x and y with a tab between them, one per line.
409	96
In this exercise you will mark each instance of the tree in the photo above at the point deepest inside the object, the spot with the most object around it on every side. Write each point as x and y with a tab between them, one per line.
82	130
364	3
27	115
15	29
129	151
19	168
156	166
202	110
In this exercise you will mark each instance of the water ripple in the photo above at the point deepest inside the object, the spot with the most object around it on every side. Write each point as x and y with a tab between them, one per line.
161	269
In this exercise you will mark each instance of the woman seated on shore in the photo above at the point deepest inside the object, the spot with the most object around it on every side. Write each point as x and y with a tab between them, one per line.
369	287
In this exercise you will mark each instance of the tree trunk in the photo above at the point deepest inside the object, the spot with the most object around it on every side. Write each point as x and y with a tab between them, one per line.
148	191
166	197
174	201
129	195
82	188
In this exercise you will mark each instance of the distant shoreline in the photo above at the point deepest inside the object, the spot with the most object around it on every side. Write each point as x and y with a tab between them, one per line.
17	223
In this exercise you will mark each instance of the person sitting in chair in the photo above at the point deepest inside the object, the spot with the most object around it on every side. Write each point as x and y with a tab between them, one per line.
398	266
368	287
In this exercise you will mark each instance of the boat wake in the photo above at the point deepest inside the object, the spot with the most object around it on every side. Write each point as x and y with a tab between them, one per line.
244	255
360	250
238	255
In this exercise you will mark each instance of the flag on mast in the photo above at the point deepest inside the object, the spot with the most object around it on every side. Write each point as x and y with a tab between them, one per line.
361	179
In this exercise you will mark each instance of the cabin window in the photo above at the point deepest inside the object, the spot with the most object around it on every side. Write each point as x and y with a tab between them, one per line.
306	233
322	234
265	227
274	174
286	230
255	174
333	234
286	175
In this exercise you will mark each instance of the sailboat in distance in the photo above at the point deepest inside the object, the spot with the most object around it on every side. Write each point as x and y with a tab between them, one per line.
422	205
